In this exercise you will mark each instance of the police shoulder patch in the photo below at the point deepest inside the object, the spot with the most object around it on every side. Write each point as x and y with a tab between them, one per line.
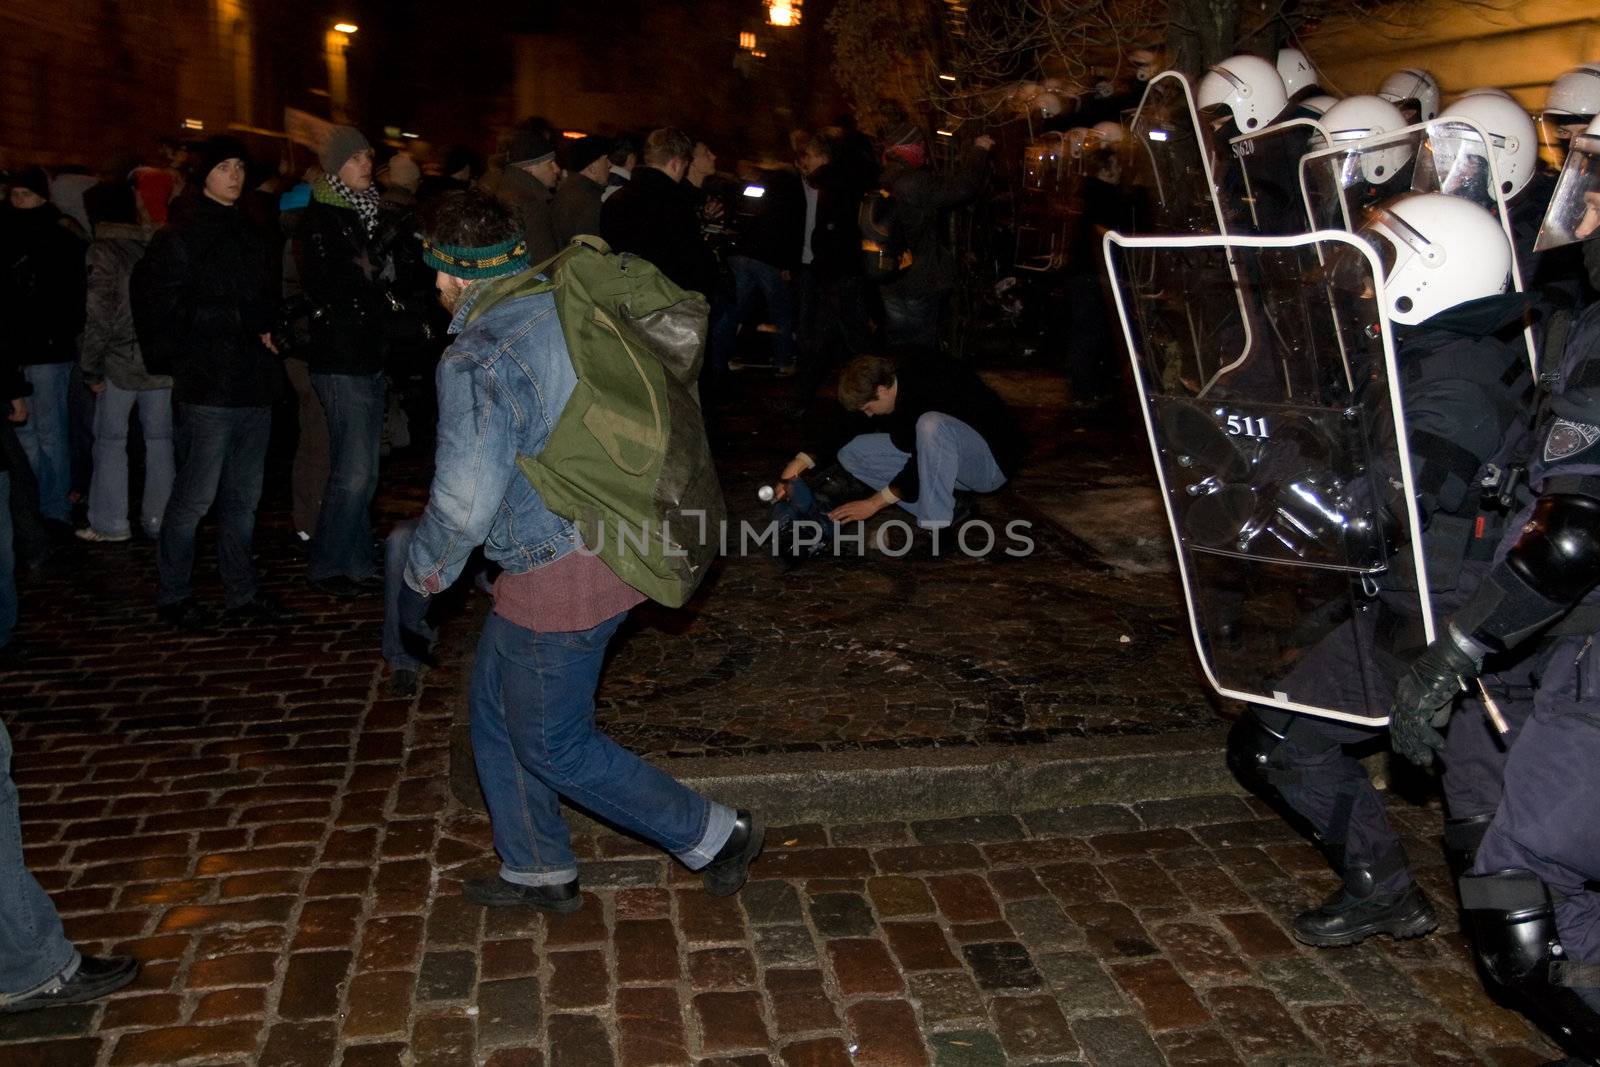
1568	438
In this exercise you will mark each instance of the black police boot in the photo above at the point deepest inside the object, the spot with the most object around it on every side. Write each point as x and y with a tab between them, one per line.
1461	840
496	892
728	869
1356	912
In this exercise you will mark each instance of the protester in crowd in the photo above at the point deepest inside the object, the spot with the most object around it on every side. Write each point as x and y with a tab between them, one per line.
347	274
624	156
931	429
400	178
913	299
762	262
832	320
41	304
653	218
502	385
204	299
308	475
577	204
115	370
526	184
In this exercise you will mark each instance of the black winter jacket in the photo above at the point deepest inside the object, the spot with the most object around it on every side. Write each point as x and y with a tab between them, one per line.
653	217
836	235
204	293
922	197
41	285
348	279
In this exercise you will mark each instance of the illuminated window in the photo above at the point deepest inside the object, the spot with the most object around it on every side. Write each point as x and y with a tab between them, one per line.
747	42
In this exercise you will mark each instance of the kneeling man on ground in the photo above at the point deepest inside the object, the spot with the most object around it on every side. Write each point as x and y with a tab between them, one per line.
943	431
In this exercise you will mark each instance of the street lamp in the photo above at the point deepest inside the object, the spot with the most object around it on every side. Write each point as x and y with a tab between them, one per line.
783	12
334	45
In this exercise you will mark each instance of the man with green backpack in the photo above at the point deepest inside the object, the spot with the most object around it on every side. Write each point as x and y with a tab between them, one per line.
564	418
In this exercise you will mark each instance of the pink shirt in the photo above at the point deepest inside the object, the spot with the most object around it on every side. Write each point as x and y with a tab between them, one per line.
576	592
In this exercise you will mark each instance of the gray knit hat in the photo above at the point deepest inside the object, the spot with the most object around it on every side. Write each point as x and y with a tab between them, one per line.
342	143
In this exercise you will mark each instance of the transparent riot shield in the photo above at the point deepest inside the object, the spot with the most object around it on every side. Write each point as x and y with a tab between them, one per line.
1172	172
1285	478
1044	218
1574	211
1267	162
1342	182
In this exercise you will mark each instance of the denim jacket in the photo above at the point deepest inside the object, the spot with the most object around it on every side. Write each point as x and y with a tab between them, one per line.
502	385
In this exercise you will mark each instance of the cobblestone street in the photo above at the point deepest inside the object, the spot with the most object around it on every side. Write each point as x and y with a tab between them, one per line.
252	815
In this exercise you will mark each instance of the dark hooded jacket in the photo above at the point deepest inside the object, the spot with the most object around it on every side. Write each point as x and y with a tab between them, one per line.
204	293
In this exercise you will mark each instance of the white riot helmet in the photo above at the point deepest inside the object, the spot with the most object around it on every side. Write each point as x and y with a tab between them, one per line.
1319	105
1487	90
1437	251
1513	141
1248	86
1575	96
1357	118
1108	132
1413	83
1296	71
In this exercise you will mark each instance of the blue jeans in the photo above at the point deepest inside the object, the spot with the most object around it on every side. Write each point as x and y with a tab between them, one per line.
8	565
534	741
395	547
911	320
108	490
355	410
751	278
222	454
34	951
44	437
950	455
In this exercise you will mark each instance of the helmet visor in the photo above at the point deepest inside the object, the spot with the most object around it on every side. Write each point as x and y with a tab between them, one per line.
1455	160
1574	212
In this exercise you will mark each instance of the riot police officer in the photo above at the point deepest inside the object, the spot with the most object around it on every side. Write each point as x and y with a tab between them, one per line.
1530	897
1446	272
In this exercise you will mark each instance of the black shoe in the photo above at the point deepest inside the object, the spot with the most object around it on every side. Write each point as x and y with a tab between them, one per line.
404	683
496	892
1346	919
95	977
259	608
187	615
725	874
345	588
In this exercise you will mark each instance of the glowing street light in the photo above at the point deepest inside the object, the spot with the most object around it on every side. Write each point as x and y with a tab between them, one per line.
783	12
346	27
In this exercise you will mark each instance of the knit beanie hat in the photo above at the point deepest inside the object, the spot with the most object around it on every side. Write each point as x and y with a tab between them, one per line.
401	170
33	179
585	151
526	146
213	151
342	143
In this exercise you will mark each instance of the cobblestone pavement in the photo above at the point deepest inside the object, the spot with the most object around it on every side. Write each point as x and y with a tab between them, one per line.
251	815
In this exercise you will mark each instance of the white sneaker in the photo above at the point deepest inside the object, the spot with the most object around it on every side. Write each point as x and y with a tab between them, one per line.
89	533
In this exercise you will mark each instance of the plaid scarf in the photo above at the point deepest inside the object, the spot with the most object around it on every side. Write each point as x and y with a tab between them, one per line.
364	204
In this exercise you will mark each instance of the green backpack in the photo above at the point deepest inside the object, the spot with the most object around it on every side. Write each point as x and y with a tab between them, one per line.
628	462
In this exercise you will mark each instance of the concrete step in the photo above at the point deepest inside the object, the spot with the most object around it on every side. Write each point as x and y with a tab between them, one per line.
922	783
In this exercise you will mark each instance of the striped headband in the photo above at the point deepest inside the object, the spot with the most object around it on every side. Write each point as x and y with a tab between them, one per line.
490	261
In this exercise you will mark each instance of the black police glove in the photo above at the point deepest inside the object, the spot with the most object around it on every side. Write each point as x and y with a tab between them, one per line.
1426	695
415	636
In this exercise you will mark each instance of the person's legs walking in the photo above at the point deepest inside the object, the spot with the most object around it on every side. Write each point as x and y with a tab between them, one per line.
355	409
44	437
155	422
238	494
108	489
543	709
780	309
